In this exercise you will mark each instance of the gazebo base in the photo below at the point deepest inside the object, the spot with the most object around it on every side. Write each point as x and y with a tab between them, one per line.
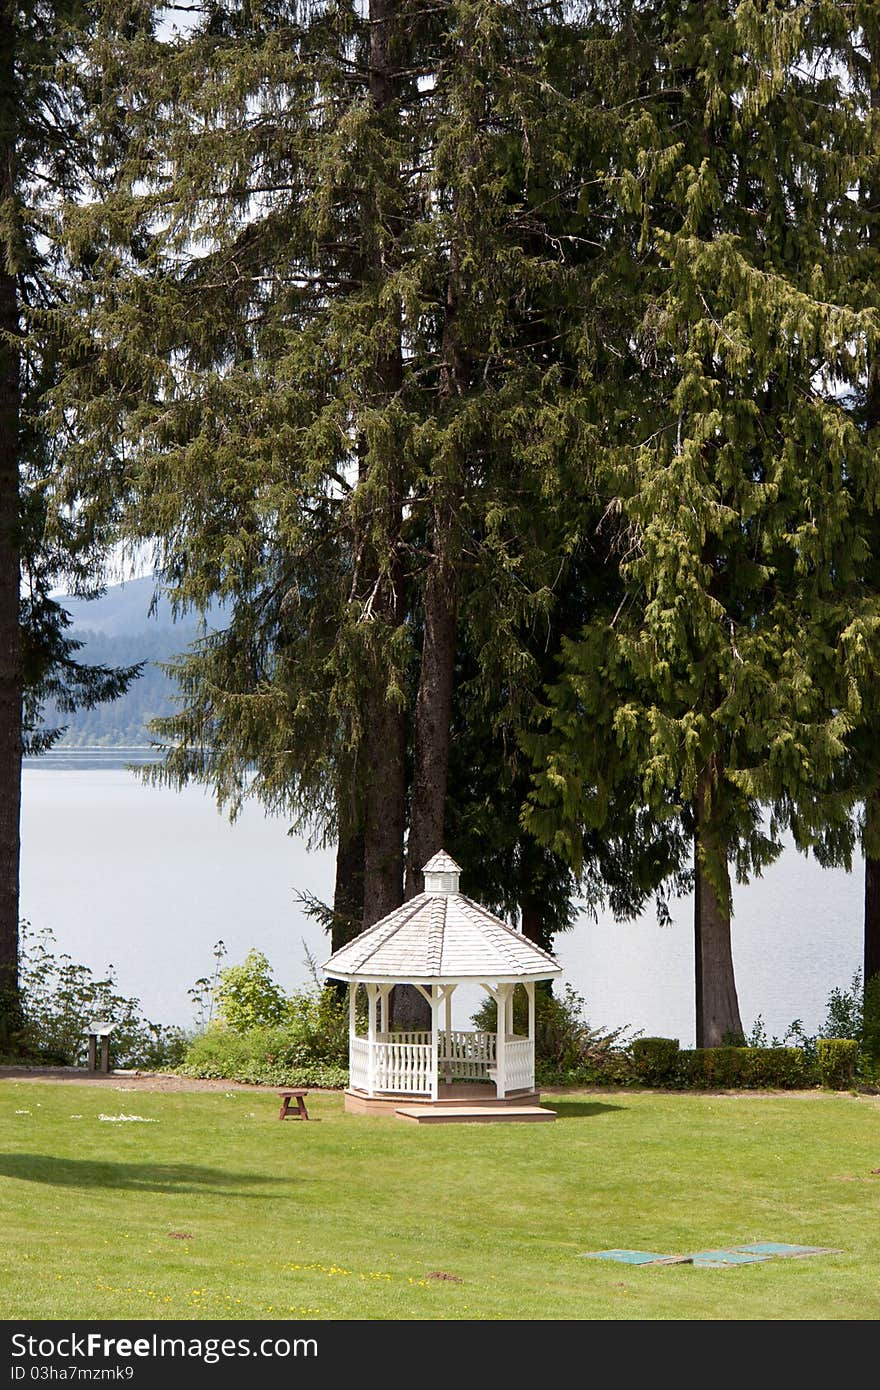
473	1114
458	1094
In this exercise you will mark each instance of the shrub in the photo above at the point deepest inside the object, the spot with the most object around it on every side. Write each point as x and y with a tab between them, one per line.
59	997
568	1051
262	1056
871	1022
317	1019
843	1018
654	1060
836	1060
247	996
308	1047
731	1067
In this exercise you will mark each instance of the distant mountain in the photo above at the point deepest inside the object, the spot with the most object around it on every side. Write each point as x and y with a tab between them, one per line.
122	610
119	630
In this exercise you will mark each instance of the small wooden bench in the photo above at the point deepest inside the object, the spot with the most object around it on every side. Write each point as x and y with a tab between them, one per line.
287	1095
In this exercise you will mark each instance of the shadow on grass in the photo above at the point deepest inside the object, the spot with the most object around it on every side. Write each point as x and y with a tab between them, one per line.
578	1109
131	1177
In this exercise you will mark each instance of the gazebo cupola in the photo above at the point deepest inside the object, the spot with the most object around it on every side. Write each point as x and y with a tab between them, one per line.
441	874
436	942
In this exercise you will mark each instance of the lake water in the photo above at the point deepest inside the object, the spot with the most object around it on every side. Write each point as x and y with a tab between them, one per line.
149	879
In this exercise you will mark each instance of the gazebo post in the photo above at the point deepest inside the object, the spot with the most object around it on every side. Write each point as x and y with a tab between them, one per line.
372	996
448	1030
501	1041
435	1041
530	992
384	996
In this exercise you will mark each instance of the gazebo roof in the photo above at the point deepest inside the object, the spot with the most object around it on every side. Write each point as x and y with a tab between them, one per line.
441	863
440	935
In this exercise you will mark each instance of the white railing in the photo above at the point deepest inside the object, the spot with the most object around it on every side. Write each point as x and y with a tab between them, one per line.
359	1064
402	1063
519	1064
403	1067
419	1036
467	1056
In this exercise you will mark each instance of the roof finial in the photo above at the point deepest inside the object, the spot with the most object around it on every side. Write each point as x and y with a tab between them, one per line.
441	874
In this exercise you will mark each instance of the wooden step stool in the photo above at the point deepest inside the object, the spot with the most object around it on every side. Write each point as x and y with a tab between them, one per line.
287	1095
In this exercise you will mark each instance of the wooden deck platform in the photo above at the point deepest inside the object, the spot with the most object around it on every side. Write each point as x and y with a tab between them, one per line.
500	1113
461	1094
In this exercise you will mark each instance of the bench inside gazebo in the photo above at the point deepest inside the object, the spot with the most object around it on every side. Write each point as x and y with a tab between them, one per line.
436	942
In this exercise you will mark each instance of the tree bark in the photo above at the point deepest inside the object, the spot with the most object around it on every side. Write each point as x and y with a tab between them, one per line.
385	734
10	630
699	1031
385	812
717	1007
433	715
348	893
348	898
871	961
531	921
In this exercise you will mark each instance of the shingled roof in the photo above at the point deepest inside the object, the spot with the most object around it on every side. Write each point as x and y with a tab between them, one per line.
441	935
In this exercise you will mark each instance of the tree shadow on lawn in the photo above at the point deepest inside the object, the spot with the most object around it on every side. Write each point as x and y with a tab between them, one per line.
578	1109
133	1177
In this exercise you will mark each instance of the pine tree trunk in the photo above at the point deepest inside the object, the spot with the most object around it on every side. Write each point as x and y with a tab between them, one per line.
433	715
385	812
348	898
348	893
385	737
531	921
10	631
871	962
699	1030
717	1007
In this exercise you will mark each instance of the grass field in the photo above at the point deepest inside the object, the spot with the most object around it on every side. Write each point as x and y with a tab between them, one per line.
349	1216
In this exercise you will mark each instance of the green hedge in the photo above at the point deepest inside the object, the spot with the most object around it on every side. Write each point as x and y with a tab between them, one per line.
655	1060
785	1068
836	1060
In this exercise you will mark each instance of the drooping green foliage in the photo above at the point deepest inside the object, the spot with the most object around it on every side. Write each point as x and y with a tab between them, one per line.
733	672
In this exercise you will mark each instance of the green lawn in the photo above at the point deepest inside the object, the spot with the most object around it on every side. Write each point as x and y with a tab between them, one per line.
346	1217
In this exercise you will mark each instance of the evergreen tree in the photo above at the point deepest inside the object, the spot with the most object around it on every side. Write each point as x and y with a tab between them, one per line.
346	305
856	54
733	673
43	542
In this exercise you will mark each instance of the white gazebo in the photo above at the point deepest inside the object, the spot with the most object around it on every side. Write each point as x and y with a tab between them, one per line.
436	942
